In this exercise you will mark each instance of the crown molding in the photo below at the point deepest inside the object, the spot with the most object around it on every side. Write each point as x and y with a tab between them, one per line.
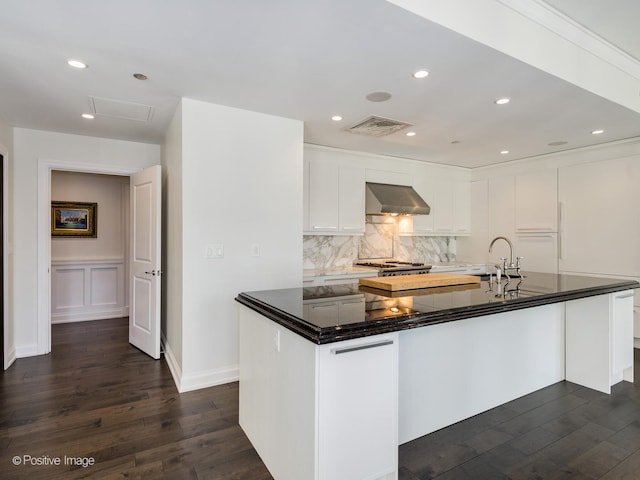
557	22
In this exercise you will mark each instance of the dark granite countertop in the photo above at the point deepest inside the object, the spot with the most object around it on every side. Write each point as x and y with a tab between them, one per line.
333	313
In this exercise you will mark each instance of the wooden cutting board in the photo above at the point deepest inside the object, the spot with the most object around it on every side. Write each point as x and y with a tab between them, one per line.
410	282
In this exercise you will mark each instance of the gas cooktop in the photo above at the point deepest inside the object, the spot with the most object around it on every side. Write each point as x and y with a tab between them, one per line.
388	264
395	267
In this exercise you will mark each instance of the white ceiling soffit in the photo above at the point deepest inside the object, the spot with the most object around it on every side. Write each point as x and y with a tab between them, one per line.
108	107
558	22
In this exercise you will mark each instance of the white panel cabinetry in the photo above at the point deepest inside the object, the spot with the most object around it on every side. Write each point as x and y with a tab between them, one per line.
536	220
351	196
524	208
539	251
335	197
323	412
622	336
450	202
537	201
461	208
501	215
424	224
351	374
600	340
598	229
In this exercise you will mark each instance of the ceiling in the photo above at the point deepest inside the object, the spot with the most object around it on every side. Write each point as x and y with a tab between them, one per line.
301	59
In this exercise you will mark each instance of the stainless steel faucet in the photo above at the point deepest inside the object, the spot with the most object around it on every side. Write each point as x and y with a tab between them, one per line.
511	266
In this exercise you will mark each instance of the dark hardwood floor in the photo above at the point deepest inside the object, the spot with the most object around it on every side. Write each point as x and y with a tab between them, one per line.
96	397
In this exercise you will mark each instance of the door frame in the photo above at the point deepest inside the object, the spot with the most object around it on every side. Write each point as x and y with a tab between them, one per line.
45	167
8	347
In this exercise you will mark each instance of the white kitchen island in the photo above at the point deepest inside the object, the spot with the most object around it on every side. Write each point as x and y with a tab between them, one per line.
333	379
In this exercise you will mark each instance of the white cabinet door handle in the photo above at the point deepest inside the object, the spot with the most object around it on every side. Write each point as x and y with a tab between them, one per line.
338	351
320	227
626	295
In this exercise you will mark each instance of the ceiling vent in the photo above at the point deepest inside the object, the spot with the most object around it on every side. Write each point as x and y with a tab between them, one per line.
378	126
107	107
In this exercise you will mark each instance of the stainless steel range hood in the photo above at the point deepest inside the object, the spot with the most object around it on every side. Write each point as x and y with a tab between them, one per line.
385	199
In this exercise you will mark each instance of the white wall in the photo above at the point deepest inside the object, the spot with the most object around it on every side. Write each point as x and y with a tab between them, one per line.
29	147
172	284
111	193
241	185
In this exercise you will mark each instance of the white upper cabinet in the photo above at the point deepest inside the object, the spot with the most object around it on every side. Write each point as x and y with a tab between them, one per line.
423	224
599	227
334	193
462	208
334	196
324	205
443	208
351	196
537	202
450	202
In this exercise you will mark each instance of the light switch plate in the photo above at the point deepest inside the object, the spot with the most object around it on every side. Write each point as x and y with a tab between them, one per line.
214	251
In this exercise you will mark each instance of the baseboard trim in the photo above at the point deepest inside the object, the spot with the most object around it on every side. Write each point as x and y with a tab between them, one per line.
205	379
30	350
172	362
89	316
209	378
10	358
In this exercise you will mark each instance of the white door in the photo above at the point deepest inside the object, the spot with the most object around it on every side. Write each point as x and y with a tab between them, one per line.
144	267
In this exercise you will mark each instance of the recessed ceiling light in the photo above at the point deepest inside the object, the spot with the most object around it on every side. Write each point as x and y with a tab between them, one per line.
140	76
336	118
597	132
420	74
88	116
455	142
502	101
504	152
410	134
76	64
557	144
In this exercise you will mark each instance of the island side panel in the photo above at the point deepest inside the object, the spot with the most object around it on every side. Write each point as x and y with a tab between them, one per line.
589	342
358	415
454	370
600	340
277	404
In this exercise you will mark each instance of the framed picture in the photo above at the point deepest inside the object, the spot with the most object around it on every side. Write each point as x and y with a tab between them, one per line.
74	219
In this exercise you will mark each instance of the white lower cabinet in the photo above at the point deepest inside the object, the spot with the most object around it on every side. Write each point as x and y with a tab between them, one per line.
319	412
357	438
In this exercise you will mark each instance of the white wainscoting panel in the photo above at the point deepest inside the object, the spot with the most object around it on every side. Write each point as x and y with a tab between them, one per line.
87	290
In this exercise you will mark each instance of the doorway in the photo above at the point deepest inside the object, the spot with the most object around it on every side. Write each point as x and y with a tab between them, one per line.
45	169
89	266
146	211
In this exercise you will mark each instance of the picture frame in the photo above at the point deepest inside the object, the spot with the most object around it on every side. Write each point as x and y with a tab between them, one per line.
74	219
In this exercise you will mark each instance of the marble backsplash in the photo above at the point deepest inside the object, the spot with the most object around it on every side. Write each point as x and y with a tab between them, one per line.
380	241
